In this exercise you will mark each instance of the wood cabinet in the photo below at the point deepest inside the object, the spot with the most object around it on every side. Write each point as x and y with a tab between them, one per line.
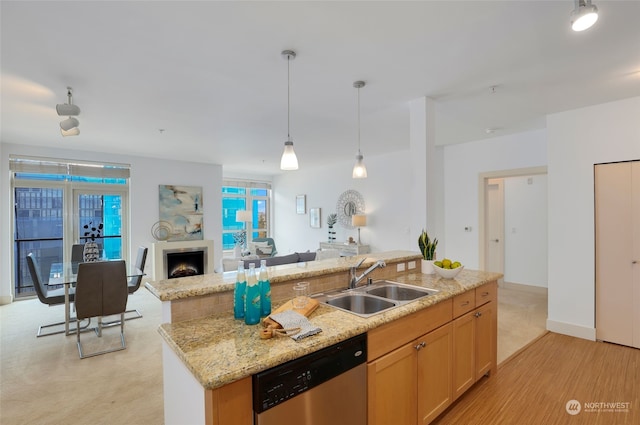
617	240
474	339
230	404
414	377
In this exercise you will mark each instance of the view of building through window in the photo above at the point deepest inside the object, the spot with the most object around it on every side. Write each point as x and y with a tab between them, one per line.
51	210
239	196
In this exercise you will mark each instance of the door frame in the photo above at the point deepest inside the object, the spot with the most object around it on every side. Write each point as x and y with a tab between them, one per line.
482	184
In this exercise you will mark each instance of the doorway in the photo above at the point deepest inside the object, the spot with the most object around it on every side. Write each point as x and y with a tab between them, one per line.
512	241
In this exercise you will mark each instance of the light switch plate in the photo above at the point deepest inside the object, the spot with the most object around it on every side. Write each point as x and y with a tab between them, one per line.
412	265
400	267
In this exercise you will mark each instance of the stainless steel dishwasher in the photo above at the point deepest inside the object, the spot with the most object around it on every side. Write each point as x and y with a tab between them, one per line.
328	387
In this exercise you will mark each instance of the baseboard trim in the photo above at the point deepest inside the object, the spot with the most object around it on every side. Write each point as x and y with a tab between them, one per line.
571	330
6	299
541	290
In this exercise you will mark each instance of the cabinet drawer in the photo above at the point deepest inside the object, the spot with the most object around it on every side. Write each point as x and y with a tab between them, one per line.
388	337
486	293
464	303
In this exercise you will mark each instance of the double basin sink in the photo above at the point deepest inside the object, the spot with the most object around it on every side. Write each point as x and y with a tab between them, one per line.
377	297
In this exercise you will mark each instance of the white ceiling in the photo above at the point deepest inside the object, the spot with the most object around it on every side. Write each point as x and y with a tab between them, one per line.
210	74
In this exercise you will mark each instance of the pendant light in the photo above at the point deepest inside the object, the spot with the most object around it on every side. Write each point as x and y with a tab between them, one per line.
584	15
69	126
289	161
359	169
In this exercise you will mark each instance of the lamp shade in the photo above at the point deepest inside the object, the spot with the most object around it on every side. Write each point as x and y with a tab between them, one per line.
65	109
73	132
359	220
289	160
584	15
243	215
69	123
359	169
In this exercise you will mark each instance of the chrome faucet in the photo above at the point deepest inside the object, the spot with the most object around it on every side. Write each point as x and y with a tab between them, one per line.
354	279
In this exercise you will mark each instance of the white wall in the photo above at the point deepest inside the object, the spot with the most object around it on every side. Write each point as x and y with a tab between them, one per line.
385	194
525	233
462	165
146	175
579	139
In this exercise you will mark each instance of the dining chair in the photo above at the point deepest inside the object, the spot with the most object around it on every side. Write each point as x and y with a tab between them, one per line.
77	256
101	290
135	281
45	295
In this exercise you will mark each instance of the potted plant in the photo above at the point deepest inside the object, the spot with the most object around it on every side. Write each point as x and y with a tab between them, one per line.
428	251
332	219
91	250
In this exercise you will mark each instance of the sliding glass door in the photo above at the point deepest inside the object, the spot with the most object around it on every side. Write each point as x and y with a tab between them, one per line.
58	204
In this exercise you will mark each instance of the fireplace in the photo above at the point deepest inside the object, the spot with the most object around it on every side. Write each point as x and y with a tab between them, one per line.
183	264
181	258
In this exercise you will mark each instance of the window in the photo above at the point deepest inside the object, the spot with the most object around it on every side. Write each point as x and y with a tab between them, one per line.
238	195
53	201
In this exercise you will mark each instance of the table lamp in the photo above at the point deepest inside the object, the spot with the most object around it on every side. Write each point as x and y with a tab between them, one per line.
244	216
358	220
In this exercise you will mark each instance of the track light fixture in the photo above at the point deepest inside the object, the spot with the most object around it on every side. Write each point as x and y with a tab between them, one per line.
359	169
584	15
69	127
289	160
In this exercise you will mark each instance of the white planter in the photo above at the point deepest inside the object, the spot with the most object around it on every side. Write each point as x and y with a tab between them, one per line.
427	267
91	252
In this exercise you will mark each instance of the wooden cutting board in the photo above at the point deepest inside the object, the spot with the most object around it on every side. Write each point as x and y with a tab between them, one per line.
312	304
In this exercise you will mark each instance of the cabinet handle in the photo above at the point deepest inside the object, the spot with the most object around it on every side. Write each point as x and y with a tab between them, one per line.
478	314
484	294
421	345
634	262
464	303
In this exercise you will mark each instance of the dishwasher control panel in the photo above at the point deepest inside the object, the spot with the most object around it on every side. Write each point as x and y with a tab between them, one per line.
280	383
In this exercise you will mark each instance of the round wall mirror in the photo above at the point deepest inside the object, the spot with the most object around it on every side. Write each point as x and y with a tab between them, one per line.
349	203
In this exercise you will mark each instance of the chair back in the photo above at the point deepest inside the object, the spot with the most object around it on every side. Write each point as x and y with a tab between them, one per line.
77	256
270	242
134	282
38	284
77	252
101	289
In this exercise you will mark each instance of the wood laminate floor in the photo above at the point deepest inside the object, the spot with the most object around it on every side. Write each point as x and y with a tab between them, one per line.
552	378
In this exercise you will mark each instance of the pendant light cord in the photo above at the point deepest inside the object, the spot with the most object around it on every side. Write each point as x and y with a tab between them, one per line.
358	120
288	98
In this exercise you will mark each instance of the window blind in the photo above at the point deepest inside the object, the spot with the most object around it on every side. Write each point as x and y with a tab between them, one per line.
67	167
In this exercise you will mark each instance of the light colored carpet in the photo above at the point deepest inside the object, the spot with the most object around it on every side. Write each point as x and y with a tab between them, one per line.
42	380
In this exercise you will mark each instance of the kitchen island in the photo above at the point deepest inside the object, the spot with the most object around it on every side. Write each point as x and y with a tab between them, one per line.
208	361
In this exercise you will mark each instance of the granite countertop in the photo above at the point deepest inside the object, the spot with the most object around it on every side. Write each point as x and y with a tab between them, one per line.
176	289
219	350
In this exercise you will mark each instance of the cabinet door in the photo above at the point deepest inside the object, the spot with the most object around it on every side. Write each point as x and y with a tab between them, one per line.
485	339
392	387
464	341
231	404
435	373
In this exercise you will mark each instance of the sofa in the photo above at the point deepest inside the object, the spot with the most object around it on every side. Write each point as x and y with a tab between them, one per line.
229	264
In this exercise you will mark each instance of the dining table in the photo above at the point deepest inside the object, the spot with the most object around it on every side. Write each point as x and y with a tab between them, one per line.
66	274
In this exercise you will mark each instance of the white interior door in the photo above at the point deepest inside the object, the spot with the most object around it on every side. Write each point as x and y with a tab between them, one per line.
616	297
494	226
635	260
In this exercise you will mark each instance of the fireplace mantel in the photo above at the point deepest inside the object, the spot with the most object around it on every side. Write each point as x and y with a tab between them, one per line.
158	250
